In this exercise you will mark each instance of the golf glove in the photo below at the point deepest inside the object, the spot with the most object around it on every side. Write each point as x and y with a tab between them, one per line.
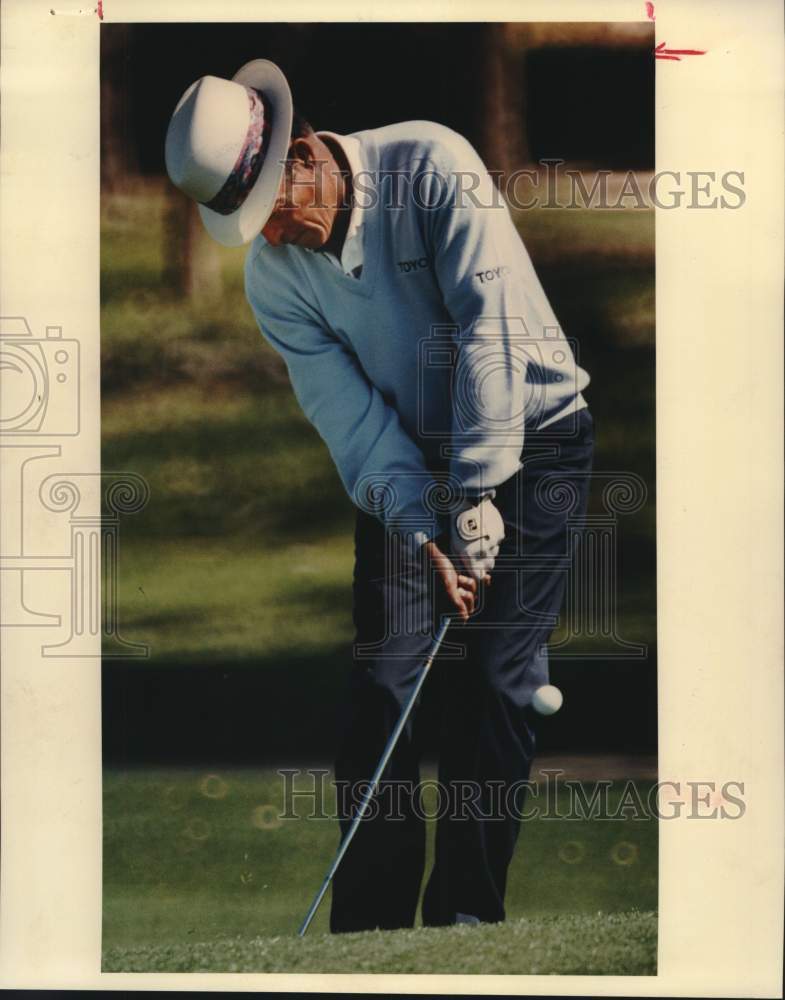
476	534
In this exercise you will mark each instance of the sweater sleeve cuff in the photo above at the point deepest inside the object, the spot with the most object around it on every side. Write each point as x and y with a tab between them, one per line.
474	496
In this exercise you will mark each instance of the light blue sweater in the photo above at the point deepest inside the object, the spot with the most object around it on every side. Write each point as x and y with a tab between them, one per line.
443	352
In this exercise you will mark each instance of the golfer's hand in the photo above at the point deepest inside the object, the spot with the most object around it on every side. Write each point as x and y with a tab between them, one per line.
458	590
476	534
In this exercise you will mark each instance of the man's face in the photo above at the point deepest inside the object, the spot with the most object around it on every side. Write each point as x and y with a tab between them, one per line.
306	207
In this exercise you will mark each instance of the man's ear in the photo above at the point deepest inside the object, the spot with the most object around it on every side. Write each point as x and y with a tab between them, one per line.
300	149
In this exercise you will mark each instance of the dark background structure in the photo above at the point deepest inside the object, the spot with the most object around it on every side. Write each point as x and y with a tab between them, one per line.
515	98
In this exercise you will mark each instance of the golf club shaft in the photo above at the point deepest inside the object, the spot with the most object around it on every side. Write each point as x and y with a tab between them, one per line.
374	784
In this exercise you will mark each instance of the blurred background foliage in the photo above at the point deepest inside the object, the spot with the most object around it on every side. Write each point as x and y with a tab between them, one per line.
243	556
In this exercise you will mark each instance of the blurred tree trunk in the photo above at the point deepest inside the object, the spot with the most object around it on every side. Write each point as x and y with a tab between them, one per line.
193	258
499	79
119	159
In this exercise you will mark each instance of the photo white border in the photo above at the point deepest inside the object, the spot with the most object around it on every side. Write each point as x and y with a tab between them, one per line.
719	495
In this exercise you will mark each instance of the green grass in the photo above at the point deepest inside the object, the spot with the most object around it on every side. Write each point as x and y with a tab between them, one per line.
221	600
621	944
192	856
224	463
595	237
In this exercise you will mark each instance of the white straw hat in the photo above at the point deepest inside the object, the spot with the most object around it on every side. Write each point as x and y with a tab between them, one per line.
226	145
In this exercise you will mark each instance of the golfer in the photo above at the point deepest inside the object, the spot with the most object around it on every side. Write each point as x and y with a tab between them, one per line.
384	268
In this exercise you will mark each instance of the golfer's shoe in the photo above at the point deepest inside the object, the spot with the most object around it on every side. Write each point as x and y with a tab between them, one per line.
466	918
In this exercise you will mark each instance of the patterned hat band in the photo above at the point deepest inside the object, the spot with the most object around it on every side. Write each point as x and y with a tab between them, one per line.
249	163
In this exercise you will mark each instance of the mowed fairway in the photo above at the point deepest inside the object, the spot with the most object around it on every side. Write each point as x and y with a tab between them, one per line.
622	944
202	874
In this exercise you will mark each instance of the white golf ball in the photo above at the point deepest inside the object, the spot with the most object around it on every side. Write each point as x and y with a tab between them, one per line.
547	699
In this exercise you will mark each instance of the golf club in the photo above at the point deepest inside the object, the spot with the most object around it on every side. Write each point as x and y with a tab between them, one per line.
374	784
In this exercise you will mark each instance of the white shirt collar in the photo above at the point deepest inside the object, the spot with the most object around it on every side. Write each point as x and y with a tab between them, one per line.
352	250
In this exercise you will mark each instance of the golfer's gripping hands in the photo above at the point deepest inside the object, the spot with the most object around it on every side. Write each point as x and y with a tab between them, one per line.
476	534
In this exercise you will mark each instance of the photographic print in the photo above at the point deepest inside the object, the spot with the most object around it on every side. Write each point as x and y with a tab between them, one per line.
391	492
387	363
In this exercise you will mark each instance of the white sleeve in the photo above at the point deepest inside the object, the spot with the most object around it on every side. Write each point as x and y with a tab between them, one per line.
495	299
